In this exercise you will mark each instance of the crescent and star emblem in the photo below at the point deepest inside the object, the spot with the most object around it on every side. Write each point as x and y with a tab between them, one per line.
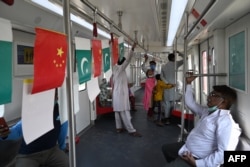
84	59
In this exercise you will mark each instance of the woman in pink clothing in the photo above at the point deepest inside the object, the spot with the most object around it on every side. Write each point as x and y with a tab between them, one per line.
147	99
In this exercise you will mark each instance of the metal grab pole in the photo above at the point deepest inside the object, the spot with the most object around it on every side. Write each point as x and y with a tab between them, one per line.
208	75
184	81
187	33
69	84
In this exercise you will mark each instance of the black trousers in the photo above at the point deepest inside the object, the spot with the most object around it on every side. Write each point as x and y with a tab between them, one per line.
170	150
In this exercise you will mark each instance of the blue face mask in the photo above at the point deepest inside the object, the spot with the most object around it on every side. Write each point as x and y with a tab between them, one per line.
152	67
211	109
214	108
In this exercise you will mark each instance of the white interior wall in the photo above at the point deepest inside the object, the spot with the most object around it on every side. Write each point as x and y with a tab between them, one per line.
83	117
13	109
219	50
203	48
243	97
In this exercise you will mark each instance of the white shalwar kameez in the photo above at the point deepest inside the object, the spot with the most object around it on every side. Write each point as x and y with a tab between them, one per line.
168	76
121	105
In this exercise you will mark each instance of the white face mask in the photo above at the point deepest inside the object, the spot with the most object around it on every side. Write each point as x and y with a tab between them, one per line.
151	76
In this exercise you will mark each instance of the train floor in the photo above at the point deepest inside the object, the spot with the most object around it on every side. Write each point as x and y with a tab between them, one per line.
101	145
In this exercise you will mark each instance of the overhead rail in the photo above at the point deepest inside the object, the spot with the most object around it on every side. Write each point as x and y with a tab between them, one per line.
102	15
208	75
204	12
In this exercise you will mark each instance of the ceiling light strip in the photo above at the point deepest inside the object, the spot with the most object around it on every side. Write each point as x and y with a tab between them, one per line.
58	10
177	10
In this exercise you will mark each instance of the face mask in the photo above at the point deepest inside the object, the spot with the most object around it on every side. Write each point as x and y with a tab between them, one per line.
211	109
152	67
150	76
214	108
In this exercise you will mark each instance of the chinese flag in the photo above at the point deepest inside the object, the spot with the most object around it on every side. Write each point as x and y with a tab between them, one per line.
115	51
97	54
50	53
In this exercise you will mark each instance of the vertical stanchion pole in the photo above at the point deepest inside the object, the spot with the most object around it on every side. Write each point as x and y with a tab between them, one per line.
175	70
69	83
184	80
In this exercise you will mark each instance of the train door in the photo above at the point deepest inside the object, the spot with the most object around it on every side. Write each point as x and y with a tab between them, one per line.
206	67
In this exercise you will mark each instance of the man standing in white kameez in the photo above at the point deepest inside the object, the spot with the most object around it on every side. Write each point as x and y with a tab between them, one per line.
121	105
168	72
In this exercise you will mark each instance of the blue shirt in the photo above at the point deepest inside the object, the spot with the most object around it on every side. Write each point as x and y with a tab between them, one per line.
46	141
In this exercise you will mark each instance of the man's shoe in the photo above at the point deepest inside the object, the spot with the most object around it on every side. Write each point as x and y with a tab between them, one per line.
120	130
135	134
159	123
167	122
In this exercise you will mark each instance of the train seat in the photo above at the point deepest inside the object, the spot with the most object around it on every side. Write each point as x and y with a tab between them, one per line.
101	109
187	116
188	119
244	144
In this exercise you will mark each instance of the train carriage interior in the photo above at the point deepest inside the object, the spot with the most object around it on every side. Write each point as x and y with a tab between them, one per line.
213	36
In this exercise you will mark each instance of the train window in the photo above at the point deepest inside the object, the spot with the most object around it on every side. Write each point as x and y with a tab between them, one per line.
82	87
205	71
213	57
1	110
189	65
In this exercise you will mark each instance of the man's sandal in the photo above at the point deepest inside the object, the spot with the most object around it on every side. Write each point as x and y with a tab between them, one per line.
120	130
135	134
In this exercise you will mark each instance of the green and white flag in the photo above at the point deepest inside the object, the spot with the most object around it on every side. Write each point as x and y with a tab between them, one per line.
106	55
84	59
5	61
121	47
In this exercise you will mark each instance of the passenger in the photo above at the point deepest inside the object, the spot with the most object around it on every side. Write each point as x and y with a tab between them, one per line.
121	105
104	92
152	65
168	76
44	151
131	98
158	95
214	133
148	98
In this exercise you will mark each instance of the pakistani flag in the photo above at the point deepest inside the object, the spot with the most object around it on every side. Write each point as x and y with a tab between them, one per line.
5	61
121	47
106	55
84	59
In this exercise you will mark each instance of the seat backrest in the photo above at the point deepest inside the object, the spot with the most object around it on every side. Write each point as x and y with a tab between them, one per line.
243	144
9	150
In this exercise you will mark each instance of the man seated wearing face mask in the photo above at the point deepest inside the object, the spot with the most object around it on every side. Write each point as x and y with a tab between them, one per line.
214	133
152	65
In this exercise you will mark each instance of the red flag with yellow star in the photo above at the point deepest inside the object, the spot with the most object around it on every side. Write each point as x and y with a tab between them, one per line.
50	53
97	54
115	50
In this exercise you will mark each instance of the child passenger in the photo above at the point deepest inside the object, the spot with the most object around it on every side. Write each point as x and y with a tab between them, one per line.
158	96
